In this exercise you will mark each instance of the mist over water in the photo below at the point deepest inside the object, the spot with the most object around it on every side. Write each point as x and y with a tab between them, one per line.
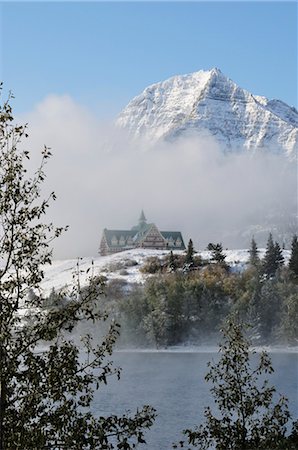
174	384
102	179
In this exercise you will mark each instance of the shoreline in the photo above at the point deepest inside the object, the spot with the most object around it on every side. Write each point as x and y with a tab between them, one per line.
208	349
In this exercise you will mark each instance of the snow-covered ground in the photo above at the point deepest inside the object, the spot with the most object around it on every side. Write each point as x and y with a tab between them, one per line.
62	272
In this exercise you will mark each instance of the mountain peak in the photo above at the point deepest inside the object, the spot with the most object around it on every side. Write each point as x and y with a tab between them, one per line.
215	71
208	101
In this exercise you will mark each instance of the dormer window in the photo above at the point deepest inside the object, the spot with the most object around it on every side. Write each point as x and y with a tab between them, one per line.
178	242
114	240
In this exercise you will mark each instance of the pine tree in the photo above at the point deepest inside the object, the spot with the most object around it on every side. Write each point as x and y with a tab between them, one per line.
269	262
273	258
217	254
47	382
254	259
279	259
293	263
189	260
172	262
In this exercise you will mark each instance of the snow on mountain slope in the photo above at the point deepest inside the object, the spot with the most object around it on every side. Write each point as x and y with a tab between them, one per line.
209	102
61	273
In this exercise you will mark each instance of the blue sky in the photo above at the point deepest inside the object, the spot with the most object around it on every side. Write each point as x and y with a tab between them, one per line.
74	66
104	53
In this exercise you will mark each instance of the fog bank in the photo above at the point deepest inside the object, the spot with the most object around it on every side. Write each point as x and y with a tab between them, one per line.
102	179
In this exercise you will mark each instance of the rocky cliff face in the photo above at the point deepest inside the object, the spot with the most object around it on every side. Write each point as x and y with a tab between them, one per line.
207	102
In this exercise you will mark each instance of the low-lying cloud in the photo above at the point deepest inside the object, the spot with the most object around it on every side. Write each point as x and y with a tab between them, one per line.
103	180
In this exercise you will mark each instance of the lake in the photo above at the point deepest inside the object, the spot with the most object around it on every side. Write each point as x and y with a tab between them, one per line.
173	383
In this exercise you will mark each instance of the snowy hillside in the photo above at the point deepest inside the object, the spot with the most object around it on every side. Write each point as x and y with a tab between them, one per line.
209	102
60	274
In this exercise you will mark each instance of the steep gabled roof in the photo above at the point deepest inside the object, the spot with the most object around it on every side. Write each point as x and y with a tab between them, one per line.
174	235
109	234
137	235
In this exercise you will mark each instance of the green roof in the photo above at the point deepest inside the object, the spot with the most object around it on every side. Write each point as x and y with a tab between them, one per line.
136	235
109	234
130	238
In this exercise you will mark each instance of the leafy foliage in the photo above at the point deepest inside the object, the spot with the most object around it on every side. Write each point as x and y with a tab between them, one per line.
174	307
246	416
152	265
47	381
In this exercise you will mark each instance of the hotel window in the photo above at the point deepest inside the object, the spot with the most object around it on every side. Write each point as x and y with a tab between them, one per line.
114	240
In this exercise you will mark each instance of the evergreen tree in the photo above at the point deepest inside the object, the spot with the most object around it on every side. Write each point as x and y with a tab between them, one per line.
47	382
217	254
189	258
293	263
172	262
273	258
269	266
246	416
279	259
254	259
189	253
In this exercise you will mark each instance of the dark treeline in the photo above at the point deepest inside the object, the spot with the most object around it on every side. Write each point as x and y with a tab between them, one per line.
186	299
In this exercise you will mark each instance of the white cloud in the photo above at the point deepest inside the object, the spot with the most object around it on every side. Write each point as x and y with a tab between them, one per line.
103	180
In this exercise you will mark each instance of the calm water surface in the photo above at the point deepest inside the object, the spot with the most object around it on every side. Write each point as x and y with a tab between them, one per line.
173	383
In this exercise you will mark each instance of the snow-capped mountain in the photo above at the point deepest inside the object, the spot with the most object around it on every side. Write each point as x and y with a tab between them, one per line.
207	102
